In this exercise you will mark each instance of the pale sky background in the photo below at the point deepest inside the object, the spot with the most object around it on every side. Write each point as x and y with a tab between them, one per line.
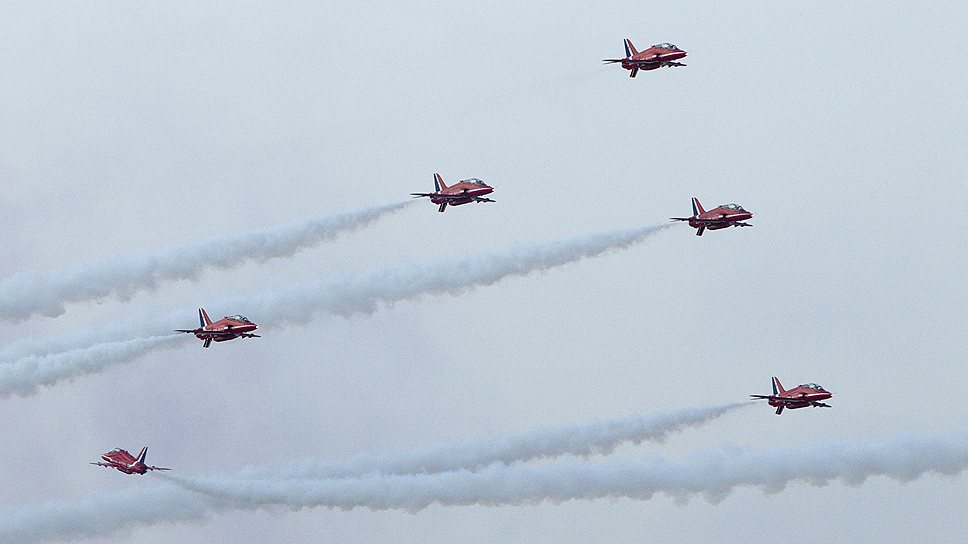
132	127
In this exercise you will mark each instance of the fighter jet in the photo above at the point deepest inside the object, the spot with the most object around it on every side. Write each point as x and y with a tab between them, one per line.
720	217
127	463
657	56
462	192
227	328
801	396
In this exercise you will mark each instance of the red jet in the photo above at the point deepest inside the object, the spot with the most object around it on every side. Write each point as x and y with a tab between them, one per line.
462	192
127	463
720	217
227	328
801	396
657	56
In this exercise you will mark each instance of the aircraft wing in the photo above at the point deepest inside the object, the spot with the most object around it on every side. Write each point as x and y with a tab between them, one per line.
763	396
185	330
449	198
157	468
221	333
680	218
609	61
103	465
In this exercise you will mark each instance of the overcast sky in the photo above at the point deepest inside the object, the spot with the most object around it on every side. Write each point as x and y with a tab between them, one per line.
140	127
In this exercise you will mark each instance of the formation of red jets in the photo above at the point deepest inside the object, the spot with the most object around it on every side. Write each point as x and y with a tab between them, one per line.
474	190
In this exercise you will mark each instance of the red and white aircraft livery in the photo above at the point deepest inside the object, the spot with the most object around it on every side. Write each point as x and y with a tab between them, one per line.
657	56
801	396
227	328
462	192
720	217
127	463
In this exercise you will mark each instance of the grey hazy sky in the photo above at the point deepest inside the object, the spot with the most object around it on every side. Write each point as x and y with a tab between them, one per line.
132	127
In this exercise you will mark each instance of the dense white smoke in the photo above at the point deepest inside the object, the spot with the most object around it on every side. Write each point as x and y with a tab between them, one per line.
29	293
711	474
364	293
340	294
102	514
596	437
26	375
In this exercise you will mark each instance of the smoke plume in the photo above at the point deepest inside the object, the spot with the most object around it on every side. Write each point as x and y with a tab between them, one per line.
26	375
711	474
340	294
597	437
29	293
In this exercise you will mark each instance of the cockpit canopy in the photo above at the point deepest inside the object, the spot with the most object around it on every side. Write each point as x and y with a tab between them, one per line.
731	206
239	318
666	45
474	181
812	386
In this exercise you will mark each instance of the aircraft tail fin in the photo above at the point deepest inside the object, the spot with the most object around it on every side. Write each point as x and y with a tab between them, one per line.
697	207
439	182
142	455
203	319
629	48
777	386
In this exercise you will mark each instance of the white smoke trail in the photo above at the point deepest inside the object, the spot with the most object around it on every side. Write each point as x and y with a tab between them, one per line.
364	293
114	513
346	295
597	437
712	474
26	375
29	293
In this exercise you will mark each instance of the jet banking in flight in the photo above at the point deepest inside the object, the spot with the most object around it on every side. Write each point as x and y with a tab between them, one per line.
127	463
227	328
657	56
801	396
720	217
462	192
